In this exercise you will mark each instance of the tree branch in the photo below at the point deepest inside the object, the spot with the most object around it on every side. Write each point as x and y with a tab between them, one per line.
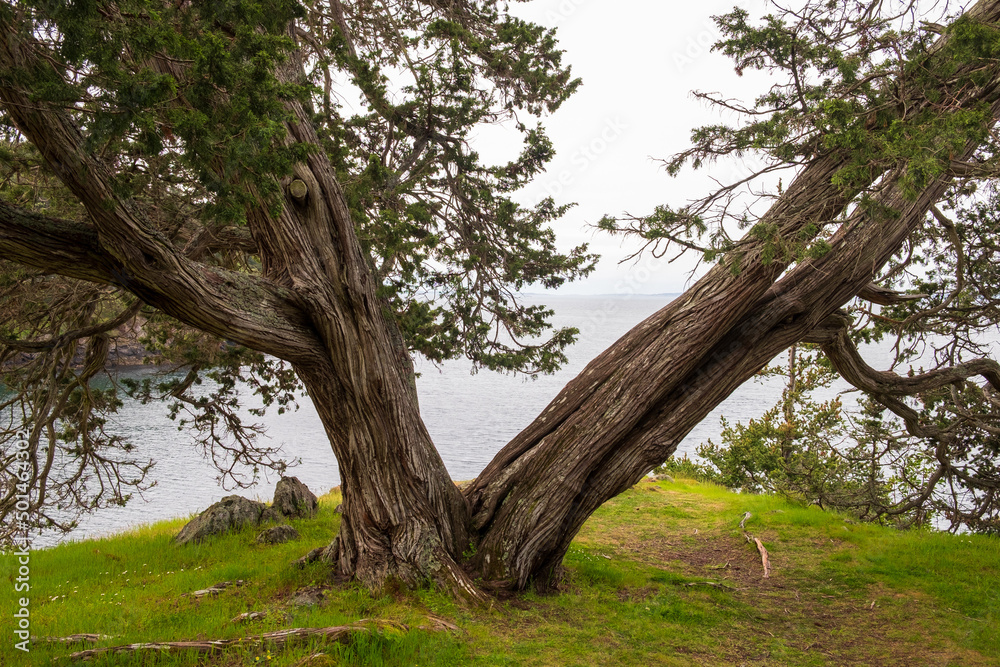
247	309
885	297
74	249
844	354
54	245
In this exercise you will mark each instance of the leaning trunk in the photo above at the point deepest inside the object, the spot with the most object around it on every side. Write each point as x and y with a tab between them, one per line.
629	409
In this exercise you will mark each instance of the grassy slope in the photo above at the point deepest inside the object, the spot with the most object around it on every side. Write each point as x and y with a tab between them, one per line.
635	593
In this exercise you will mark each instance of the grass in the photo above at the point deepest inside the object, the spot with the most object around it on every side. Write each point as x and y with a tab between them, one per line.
661	575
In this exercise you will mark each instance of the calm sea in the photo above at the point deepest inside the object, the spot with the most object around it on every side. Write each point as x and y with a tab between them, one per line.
470	416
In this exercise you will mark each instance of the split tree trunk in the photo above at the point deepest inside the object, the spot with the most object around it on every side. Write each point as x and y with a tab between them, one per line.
317	308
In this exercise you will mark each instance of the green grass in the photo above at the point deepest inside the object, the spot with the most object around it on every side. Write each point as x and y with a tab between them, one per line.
661	575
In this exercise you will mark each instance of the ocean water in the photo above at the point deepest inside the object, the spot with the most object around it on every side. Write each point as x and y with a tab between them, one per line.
470	417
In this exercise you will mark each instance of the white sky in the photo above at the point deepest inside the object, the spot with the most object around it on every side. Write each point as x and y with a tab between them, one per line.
639	60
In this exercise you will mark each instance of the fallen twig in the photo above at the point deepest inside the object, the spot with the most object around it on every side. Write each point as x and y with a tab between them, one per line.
764	559
713	584
977	620
746	516
248	616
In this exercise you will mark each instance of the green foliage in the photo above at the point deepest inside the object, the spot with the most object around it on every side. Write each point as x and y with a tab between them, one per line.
799	448
193	99
846	84
450	245
196	80
858	462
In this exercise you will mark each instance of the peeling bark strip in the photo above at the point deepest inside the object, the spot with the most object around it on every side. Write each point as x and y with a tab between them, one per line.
279	638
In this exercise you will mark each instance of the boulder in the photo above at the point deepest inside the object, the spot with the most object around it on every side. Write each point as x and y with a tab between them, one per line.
293	499
278	534
230	513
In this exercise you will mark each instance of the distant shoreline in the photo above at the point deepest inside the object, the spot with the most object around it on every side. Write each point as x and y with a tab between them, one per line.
127	352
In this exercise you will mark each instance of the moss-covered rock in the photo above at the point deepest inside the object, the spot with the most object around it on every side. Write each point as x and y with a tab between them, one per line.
230	513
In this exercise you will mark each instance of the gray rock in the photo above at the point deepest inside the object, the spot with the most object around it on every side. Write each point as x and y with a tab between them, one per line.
230	513
293	499
278	534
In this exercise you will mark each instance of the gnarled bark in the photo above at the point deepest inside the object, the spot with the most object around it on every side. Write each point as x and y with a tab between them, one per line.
316	306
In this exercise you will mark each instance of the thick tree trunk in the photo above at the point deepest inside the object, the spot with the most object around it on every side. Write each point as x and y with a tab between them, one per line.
316	307
630	408
403	518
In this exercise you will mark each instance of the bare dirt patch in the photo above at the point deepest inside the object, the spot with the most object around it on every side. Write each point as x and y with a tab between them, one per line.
788	612
800	614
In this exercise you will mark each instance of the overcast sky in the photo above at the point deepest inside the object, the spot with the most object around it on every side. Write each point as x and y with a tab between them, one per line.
639	60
